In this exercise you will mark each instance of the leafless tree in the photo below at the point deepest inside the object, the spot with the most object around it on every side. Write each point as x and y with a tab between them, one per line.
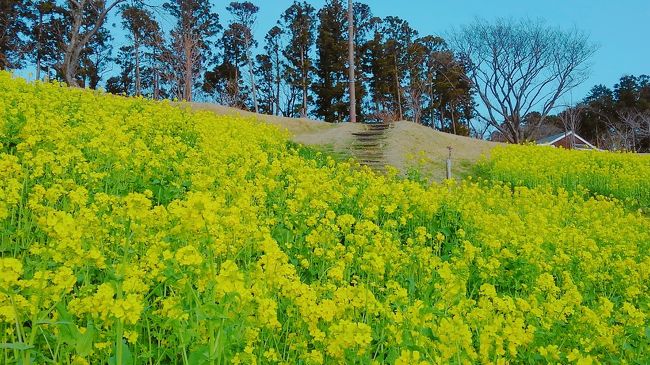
644	122
79	35
571	118
520	66
619	137
634	126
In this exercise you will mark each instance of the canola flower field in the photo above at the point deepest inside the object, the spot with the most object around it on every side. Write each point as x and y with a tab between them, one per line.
135	232
622	176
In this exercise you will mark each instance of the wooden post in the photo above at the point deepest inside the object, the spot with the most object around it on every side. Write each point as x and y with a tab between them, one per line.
353	101
449	163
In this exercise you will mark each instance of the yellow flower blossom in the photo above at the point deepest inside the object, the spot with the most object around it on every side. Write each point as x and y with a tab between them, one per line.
143	225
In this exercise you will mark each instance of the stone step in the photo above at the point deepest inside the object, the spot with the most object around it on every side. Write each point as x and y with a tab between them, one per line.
359	146
370	138
377	127
368	133
368	146
363	140
371	156
378	154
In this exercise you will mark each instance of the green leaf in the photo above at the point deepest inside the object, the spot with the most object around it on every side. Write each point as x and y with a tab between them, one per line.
127	357
200	356
20	346
68	332
429	333
84	343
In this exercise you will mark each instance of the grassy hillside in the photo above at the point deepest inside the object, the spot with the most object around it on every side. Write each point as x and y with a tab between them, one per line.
135	232
407	145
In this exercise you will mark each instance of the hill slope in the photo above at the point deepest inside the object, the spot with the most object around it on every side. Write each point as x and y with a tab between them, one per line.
407	144
136	232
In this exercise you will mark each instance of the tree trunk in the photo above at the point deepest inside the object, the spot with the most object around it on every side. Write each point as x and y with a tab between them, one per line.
397	85
253	88
188	46
235	96
304	84
353	101
136	51
156	76
77	41
38	44
278	108
249	61
433	118
453	119
70	61
71	64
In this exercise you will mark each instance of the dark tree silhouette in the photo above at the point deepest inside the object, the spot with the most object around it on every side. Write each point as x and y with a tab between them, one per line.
332	49
244	18
14	19
299	23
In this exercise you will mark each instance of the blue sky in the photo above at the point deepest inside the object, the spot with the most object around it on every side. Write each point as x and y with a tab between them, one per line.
621	29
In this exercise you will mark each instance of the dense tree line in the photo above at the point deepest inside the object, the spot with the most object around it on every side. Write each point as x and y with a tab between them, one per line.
618	117
517	71
299	68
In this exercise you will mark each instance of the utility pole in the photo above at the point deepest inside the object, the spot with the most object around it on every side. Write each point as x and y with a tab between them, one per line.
353	101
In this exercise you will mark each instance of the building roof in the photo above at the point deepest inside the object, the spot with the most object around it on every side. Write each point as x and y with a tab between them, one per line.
552	138
556	137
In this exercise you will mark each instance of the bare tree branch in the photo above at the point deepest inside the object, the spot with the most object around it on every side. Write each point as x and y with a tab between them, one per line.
78	37
517	67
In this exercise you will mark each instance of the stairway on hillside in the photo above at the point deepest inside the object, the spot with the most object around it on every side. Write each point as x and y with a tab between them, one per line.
369	145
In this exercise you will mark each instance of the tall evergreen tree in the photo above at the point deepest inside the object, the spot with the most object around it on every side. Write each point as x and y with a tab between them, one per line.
143	31
299	22
225	81
452	94
266	89
363	22
618	118
422	76
398	37
599	112
45	45
415	88
124	82
331	47
244	18
379	74
276	65
191	42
